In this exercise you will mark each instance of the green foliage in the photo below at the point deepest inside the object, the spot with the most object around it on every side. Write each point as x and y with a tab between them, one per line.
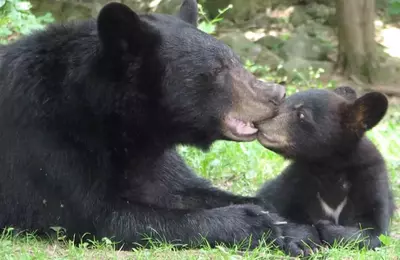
17	19
394	7
209	26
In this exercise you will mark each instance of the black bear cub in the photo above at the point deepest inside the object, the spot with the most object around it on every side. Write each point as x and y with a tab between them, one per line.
337	184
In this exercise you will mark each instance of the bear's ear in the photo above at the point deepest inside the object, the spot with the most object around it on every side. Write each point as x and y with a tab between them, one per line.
119	28
188	12
367	111
347	92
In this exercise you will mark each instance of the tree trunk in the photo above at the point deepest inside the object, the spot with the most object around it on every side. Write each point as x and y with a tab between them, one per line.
357	47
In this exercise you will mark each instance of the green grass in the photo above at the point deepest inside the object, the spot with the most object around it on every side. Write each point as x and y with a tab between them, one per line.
238	167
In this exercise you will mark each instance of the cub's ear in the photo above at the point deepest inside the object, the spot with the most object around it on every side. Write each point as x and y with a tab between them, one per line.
347	92
366	111
188	12
120	28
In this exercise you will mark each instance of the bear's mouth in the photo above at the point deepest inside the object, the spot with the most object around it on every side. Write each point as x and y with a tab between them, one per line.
241	130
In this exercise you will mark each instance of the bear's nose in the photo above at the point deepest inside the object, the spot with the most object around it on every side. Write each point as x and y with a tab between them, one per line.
278	94
271	92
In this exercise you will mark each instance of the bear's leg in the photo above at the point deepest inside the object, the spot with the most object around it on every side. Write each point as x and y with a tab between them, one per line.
133	224
167	182
211	197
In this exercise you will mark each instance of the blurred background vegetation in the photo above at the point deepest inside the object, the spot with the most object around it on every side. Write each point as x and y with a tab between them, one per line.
300	43
283	37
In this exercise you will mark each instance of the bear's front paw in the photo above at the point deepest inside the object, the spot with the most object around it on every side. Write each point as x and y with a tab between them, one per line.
301	239
323	222
252	222
327	231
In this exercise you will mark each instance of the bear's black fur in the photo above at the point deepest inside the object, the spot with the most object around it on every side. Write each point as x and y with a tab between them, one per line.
91	112
334	166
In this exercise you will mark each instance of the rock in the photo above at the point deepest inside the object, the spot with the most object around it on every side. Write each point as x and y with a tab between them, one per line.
72	12
320	13
299	16
242	46
167	6
299	66
314	29
269	58
325	2
313	12
302	46
66	10
248	50
211	6
270	42
42	7
139	5
242	10
264	21
285	3
388	71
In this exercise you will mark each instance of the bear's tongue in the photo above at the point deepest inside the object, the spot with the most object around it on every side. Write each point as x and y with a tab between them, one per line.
241	128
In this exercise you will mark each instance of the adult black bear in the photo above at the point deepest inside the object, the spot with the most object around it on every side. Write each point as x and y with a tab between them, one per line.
90	116
338	180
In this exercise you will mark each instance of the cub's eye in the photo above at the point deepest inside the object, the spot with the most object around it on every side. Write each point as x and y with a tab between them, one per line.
217	70
300	115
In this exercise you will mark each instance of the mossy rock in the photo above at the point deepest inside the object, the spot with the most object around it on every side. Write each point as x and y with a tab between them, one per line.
269	58
299	67
242	46
321	13
242	11
271	42
299	16
303	46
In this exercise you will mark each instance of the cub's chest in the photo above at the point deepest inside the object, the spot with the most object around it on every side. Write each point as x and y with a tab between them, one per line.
330	198
332	212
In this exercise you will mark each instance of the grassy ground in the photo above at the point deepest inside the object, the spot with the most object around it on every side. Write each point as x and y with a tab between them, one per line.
239	167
